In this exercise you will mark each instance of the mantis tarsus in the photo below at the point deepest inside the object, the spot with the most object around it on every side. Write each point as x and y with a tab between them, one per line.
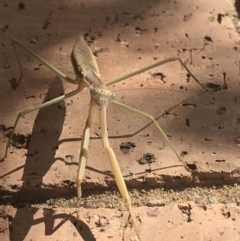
87	75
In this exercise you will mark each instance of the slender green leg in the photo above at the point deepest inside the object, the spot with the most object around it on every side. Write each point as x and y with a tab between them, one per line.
168	60
37	107
41	60
156	124
81	85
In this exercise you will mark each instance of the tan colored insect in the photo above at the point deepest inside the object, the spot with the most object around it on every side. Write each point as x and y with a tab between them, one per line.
87	75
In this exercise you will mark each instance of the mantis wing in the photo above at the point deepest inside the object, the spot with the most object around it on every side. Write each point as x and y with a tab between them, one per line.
84	64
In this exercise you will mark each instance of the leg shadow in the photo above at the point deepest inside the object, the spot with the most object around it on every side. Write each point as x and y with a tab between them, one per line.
40	157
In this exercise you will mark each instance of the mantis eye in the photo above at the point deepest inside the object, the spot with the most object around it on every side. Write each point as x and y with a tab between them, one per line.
112	97
94	92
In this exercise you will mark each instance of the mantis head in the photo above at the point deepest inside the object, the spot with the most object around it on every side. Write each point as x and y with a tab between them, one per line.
102	97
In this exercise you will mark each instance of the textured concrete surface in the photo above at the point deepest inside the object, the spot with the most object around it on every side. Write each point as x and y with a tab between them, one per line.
205	127
125	36
179	221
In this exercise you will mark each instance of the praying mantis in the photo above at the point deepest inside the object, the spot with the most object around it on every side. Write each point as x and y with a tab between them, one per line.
88	76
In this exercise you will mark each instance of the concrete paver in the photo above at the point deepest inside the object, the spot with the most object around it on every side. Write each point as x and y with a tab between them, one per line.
178	221
125	36
205	129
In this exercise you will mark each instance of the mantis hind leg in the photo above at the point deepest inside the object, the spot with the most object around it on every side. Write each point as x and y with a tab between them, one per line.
146	115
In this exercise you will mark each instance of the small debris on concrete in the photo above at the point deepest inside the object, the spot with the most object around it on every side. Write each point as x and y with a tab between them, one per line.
147	158
153	212
207	38
221	110
213	87
126	147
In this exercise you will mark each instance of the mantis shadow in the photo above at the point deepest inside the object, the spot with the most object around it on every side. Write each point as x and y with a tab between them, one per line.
237	7
40	157
52	222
